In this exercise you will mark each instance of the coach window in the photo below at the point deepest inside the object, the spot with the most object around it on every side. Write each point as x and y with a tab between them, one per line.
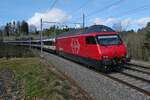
47	43
90	40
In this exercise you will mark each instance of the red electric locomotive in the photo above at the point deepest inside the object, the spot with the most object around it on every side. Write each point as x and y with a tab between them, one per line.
98	46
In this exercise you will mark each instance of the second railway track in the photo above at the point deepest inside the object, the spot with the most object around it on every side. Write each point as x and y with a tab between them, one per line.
134	77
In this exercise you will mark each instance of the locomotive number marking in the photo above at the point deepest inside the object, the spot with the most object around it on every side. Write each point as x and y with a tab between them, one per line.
75	45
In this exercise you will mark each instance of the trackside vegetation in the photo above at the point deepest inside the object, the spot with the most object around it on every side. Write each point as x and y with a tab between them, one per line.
24	76
138	43
39	81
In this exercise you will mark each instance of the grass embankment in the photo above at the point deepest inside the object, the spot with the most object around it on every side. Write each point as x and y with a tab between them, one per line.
40	81
10	51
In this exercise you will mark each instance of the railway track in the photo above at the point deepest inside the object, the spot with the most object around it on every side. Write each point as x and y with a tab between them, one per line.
135	77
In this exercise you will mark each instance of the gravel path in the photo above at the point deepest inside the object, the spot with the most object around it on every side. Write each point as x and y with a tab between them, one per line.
97	85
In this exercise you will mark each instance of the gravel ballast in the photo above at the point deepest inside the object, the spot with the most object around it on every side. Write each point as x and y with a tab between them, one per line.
97	85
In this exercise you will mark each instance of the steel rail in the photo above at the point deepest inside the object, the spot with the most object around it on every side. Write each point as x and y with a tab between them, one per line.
135	65
145	72
130	85
135	77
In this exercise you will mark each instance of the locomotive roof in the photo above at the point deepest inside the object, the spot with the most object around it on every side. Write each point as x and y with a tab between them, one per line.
87	30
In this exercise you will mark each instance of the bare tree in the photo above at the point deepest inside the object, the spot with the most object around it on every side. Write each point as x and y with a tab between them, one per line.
117	26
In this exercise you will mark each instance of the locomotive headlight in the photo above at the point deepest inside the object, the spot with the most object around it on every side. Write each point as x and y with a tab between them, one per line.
105	57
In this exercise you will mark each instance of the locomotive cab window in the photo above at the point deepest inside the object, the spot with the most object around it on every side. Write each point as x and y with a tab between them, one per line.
90	40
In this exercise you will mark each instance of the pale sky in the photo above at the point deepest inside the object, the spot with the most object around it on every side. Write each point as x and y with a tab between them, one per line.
130	13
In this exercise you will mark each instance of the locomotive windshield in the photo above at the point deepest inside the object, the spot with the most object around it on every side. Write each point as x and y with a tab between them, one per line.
109	40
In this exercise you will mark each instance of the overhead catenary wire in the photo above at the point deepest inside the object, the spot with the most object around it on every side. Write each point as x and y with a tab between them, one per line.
81	7
135	10
105	8
77	10
128	12
53	4
102	9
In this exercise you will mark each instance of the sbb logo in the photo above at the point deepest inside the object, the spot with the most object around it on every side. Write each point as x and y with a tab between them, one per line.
75	45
